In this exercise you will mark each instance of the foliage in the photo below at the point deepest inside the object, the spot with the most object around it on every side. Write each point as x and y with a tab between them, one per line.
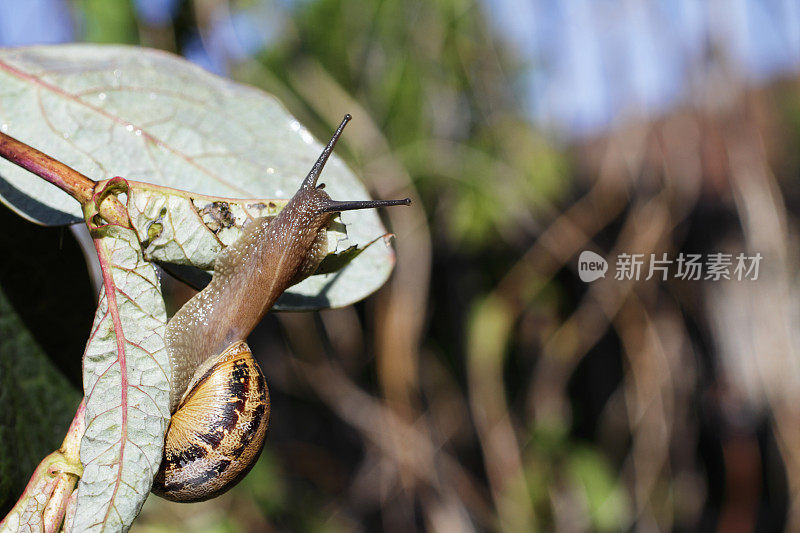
486	387
36	405
87	94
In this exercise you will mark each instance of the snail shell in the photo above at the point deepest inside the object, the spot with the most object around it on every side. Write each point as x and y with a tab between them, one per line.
218	430
218	426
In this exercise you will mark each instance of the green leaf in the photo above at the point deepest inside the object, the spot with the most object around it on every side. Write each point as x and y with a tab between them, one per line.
36	405
609	508
152	117
126	384
190	229
108	22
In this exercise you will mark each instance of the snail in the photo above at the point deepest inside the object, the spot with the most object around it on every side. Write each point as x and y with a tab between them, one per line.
219	423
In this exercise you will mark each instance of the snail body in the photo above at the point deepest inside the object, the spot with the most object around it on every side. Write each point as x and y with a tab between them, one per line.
219	397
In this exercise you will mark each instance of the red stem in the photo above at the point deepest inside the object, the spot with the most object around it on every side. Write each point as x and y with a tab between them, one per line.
65	178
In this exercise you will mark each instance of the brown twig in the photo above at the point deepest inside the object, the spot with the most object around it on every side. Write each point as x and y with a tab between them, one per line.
65	178
62	176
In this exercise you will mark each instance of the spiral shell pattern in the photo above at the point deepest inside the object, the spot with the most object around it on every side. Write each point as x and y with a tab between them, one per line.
218	430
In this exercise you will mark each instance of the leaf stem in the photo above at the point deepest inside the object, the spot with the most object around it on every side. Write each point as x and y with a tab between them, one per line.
71	445
65	178
62	176
43	503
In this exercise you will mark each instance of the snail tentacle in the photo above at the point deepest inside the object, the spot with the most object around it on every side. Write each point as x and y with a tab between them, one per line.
219	397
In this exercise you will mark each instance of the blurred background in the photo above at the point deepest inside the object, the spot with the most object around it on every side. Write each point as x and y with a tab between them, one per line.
485	387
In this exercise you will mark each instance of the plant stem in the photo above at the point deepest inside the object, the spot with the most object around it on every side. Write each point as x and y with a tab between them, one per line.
71	445
67	179
44	501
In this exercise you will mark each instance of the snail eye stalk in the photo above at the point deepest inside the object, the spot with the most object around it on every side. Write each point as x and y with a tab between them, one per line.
334	206
311	180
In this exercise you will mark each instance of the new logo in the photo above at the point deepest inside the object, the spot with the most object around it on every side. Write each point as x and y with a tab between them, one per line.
591	266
